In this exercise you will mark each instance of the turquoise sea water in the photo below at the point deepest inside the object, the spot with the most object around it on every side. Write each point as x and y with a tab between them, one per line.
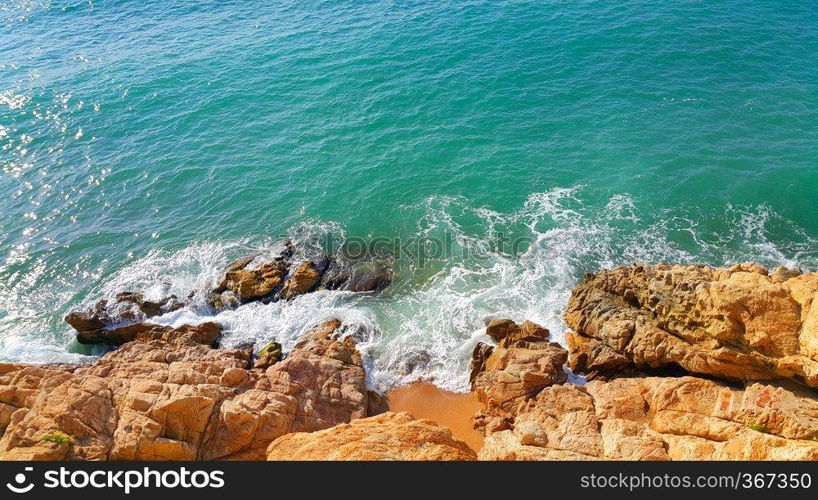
151	142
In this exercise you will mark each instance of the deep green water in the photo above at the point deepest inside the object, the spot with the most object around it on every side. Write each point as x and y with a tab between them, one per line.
149	142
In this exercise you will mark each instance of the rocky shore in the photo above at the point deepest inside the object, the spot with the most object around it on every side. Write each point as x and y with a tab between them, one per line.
681	363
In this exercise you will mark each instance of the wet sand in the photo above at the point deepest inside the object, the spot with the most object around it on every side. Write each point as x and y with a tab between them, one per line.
451	409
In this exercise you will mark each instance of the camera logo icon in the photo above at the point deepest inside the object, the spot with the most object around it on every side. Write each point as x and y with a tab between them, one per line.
20	485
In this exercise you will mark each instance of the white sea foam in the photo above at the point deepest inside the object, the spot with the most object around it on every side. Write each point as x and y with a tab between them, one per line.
426	325
27	349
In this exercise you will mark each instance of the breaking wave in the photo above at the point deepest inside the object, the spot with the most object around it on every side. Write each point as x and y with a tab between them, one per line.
425	326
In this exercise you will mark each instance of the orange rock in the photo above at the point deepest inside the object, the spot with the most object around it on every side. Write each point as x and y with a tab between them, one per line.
249	285
739	323
659	418
506	376
160	400
593	357
301	280
500	328
388	436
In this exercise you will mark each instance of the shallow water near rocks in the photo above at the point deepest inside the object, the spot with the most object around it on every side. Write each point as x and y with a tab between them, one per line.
158	142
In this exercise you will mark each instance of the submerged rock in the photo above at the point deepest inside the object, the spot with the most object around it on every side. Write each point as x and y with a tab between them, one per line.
415	360
358	275
738	323
389	436
222	301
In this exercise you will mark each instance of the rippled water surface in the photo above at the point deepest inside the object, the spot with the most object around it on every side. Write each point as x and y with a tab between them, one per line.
151	142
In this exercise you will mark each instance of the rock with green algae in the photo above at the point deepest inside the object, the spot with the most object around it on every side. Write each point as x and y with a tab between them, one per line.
268	355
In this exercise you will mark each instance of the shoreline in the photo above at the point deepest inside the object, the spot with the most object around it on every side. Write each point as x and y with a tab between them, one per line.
681	363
